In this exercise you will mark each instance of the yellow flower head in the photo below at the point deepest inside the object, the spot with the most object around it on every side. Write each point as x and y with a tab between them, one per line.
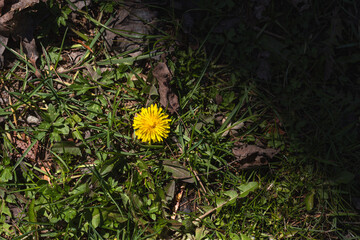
151	124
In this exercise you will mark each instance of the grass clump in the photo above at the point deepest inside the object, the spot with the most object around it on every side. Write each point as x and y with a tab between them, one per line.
230	167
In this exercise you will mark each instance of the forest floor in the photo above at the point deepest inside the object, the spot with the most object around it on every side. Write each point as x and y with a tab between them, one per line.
263	102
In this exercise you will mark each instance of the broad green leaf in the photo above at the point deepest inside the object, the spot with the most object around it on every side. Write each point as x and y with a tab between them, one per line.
233	196
52	113
234	236
32	213
220	201
107	167
309	201
153	91
170	190
69	214
83	188
125	198
6	175
244	237
96	218
117	217
54	136
59	122
4	208
64	130
231	193
77	134
76	118
44	125
68	147
206	208
246	188
178	171
94	109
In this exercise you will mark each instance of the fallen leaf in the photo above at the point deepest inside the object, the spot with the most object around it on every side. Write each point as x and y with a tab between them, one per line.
3	43
23	4
46	177
231	128
79	4
18	24
168	99
252	155
131	24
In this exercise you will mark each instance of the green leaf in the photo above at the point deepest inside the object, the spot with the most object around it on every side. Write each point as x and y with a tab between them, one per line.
231	193
244	237
107	167
66	147
246	188
117	217
59	122
52	113
54	136
200	233
220	201
128	60
309	201
44	125
178	171
83	188
69	214
234	236
4	209
32	213
64	130
96	218
153	91
77	134
6	175
94	109
4	113
81	89
170	190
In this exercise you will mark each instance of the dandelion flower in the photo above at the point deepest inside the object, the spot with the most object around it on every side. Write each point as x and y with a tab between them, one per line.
151	124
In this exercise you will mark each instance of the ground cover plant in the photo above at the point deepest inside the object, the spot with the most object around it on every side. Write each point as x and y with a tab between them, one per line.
134	121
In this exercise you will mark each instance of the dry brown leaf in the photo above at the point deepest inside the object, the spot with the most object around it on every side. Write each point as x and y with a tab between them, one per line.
79	4
168	99
133	21
21	5
46	177
252	155
19	24
4	41
111	36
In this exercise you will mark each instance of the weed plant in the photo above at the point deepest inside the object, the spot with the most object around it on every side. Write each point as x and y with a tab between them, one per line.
73	169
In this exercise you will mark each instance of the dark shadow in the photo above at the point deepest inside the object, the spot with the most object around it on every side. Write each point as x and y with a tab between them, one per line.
303	59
